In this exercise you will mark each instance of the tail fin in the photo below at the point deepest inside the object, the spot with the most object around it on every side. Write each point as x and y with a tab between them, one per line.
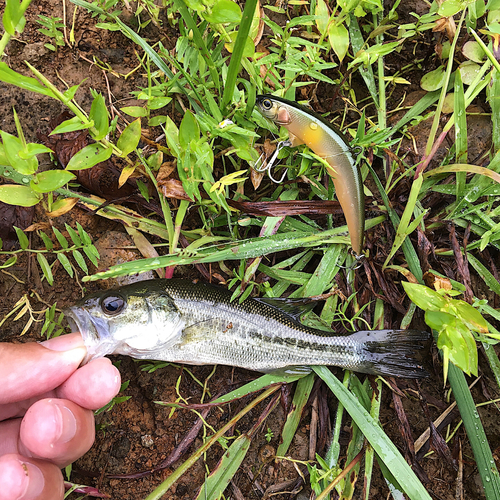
390	352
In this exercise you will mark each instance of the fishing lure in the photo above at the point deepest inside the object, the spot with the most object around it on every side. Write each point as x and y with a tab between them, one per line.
306	127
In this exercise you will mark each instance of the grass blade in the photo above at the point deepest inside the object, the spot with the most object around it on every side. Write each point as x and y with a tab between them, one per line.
243	249
383	446
475	432
460	132
408	250
237	55
219	479
302	392
486	275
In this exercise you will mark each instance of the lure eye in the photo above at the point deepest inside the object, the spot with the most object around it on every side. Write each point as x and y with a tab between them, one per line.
267	104
112	304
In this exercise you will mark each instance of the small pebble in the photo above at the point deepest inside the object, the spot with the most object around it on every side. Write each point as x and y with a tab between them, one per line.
147	440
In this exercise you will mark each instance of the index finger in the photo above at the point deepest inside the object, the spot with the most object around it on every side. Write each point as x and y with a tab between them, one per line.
27	370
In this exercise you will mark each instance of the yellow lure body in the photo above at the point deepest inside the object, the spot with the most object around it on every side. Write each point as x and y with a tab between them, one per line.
306	127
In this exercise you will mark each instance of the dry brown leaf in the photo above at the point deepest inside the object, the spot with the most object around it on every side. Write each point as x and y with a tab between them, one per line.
446	24
256	178
62	206
165	171
172	188
260	29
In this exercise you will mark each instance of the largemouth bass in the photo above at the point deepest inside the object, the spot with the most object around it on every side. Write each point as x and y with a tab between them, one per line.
306	127
178	321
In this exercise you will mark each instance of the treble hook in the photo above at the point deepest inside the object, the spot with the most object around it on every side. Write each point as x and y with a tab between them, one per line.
356	264
267	167
356	150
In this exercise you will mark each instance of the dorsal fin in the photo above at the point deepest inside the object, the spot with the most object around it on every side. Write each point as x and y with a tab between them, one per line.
291	307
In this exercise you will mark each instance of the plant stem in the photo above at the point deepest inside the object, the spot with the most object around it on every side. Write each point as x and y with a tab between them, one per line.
382	111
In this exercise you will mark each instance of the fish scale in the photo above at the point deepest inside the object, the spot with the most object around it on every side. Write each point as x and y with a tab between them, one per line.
179	321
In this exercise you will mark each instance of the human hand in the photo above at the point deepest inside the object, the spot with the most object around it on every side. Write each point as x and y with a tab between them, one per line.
46	418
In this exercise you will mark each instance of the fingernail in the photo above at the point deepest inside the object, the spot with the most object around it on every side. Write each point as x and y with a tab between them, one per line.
63	423
22	479
36	482
64	342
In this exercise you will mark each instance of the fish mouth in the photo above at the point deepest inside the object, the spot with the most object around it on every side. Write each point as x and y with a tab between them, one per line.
94	332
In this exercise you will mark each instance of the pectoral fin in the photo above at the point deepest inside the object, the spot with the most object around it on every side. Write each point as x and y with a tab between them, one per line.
206	330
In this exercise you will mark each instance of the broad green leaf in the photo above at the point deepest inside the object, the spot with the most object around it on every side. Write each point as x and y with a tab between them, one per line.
23	239
339	39
433	80
10	76
438	320
91	255
75	237
223	11
322	16
65	263
135	111
13	16
44	182
158	102
456	341
172	137
473	51
80	261
89	156
3	157
450	7
130	137
157	120
33	149
24	196
71	125
45	266
470	316
84	236
60	238
424	297
12	147
99	115
155	160
46	241
62	206
468	71
189	130
249	48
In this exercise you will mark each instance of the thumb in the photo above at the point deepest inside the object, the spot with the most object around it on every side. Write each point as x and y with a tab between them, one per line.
27	370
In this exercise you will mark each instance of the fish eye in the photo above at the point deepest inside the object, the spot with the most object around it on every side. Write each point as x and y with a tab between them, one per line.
267	104
112	304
